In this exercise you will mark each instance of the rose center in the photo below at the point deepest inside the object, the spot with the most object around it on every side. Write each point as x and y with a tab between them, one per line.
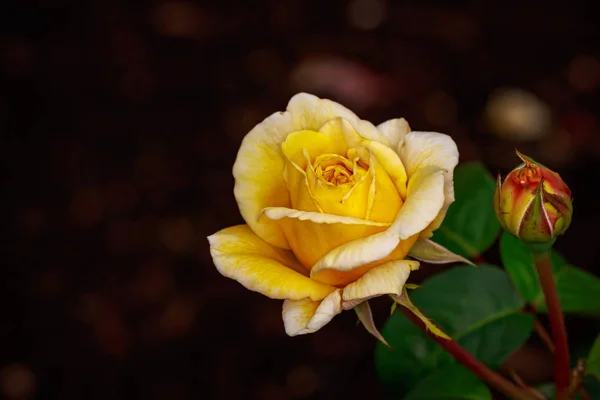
337	174
337	170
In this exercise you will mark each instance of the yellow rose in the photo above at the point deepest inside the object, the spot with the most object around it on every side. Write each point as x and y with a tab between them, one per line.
333	206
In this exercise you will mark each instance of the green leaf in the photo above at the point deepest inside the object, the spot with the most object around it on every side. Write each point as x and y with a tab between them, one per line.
471	225
452	382
592	366
479	308
577	289
520	265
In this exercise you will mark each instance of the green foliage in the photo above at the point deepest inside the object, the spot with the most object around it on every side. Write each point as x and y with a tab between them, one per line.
479	308
592	366
520	265
577	289
482	309
471	225
451	382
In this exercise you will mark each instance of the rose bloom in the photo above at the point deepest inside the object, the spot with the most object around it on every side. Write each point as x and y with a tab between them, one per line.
333	206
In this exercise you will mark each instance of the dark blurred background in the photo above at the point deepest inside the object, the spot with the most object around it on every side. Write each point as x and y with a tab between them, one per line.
120	122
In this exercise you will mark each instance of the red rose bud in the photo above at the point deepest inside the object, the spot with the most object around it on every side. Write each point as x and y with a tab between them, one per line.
533	203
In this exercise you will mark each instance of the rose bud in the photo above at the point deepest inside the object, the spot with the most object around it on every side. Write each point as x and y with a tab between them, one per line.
533	203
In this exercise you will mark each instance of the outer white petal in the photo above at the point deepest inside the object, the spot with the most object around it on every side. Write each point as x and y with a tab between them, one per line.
429	251
310	112
424	201
423	149
258	173
319	218
306	316
425	198
388	278
395	130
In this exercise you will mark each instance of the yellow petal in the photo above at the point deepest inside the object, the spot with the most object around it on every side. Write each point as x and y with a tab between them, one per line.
394	130
241	255
312	235
423	149
306	316
311	113
301	197
434	253
424	200
388	278
258	173
316	143
384	198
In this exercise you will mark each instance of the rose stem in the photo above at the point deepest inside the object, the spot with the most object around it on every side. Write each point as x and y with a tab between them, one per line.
557	323
544	335
461	355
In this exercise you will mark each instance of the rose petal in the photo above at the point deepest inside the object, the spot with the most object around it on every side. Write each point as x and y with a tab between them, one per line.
388	278
306	316
241	255
384	199
429	251
315	143
394	130
311	112
392	165
424	201
423	149
258	173
301	197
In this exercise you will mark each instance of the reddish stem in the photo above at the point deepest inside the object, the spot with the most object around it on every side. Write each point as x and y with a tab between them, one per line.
461	355
557	323
544	335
